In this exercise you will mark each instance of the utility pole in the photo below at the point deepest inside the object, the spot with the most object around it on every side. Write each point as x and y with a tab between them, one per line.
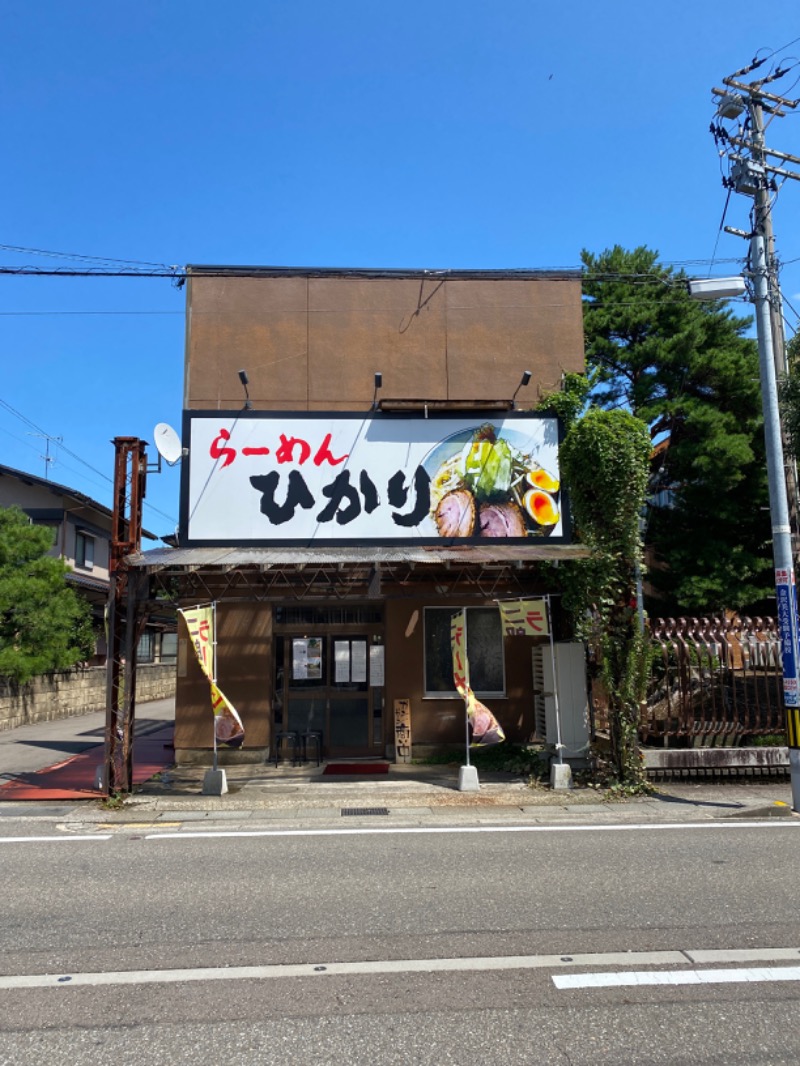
753	173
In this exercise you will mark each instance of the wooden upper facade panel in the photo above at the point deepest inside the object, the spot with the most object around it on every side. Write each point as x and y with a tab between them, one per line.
313	340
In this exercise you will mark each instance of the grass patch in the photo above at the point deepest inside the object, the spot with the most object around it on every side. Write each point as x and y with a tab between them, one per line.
768	740
499	758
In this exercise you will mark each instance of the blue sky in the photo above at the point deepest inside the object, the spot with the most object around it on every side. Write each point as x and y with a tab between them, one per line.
302	133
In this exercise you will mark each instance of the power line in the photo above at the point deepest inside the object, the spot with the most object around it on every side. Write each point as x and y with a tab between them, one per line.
78	255
35	314
169	518
782	48
38	429
28	422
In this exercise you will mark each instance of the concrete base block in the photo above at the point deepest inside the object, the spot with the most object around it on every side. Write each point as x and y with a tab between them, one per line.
468	779
560	775
215	783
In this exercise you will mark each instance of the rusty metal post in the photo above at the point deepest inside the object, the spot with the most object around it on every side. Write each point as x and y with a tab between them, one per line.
130	472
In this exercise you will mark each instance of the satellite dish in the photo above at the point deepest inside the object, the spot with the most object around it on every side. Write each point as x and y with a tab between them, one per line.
168	443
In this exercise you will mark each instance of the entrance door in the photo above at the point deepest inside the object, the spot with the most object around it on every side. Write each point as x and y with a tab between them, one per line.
326	686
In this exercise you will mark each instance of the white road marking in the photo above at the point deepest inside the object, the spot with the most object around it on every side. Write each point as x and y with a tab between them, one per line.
42	840
400	830
185	834
405	966
632	978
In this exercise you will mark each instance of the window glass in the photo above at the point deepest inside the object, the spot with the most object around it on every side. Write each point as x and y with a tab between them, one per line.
145	650
169	647
84	550
484	651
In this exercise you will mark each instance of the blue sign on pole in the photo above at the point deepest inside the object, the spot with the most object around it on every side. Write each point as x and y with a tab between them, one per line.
787	625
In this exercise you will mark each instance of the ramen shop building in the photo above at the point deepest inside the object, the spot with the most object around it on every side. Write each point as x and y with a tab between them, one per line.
371	471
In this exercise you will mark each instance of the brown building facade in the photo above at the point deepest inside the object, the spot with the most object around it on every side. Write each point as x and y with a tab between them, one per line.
370	473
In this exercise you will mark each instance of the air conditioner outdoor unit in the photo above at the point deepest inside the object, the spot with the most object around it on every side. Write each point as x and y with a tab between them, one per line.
573	699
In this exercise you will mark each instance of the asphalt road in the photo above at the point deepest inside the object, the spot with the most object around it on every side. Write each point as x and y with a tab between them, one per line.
132	899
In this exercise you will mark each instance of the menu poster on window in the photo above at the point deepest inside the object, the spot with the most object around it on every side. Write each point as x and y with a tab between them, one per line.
299	660
341	659
359	661
376	660
306	659
314	658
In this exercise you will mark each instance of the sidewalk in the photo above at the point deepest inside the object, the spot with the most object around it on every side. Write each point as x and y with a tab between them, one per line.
60	760
408	794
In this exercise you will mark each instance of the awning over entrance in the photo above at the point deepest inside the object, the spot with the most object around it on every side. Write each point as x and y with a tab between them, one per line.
491	555
358	572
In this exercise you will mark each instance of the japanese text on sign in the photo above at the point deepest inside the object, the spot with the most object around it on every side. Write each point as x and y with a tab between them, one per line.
292	477
786	594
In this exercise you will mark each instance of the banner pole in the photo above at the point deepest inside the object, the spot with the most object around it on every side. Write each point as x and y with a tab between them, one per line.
214	674
559	744
466	675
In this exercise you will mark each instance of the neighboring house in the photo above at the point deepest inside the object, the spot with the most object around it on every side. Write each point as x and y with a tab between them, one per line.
81	529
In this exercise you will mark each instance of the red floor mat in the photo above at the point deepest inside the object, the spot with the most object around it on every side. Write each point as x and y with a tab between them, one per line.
75	777
355	769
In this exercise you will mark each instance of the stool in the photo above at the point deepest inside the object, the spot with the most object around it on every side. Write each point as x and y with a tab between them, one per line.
312	736
287	737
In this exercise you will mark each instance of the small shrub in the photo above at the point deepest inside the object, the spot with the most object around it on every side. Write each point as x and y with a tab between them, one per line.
518	759
768	740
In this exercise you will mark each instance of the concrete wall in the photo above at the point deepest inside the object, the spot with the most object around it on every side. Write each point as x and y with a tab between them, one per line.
76	692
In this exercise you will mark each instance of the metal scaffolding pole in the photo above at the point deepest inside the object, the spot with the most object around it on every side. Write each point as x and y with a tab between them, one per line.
130	472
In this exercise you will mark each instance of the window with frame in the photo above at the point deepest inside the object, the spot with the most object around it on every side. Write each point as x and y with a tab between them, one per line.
145	652
484	642
84	550
169	648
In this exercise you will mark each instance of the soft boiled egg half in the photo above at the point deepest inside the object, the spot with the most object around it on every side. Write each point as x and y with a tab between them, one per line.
540	479
541	507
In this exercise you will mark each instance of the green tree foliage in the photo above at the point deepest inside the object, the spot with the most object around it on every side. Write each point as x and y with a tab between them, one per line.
44	626
605	458
570	401
789	388
688	371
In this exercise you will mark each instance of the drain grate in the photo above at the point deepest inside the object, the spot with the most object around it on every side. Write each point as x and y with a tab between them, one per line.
363	810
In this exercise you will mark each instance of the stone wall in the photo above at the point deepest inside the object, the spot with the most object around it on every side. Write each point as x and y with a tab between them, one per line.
75	692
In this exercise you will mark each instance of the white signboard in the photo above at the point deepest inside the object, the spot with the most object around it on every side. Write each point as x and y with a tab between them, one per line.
299	660
283	477
376	667
341	658
359	665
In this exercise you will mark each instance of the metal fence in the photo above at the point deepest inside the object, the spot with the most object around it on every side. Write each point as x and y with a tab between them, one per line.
714	682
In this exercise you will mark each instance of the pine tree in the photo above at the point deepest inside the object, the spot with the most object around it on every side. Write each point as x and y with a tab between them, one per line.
789	388
44	625
688	370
